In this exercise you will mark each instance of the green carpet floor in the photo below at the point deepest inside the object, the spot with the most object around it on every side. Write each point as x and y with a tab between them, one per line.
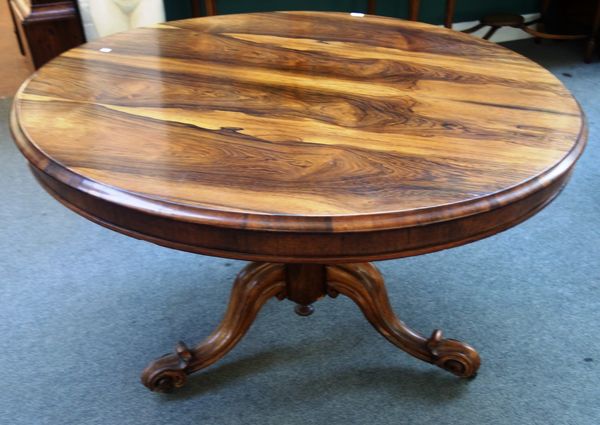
83	310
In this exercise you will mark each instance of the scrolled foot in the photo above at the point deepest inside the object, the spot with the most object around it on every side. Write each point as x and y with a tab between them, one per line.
454	356
166	381
364	284
168	372
254	285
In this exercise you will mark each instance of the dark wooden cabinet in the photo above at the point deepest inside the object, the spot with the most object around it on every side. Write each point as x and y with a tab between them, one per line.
46	28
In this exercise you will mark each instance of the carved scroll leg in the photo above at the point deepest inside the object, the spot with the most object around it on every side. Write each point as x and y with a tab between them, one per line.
253	287
364	285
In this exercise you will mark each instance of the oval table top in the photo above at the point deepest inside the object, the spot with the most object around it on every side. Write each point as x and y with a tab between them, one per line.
301	123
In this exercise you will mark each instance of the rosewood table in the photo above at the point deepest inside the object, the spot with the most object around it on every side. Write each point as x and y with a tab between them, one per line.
308	143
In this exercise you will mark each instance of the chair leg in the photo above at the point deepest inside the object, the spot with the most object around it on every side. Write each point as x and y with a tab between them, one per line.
195	8
473	29
371	7
211	7
413	9
591	44
490	33
450	8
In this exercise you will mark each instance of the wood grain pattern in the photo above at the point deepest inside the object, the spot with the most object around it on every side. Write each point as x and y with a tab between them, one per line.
299	137
304	284
364	285
254	286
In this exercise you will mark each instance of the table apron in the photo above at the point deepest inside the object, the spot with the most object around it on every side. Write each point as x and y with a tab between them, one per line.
299	247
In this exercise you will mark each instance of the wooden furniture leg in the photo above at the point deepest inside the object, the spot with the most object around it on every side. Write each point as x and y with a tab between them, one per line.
449	18
541	25
364	285
255	284
413	9
195	8
591	42
371	7
304	284
210	7
490	33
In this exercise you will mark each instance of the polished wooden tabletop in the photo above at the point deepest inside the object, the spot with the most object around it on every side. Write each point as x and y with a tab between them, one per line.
300	122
